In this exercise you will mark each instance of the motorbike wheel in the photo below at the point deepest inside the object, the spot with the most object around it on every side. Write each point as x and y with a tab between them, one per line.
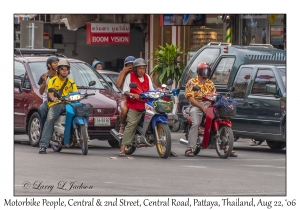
83	136
164	146
34	129
56	148
224	143
114	143
130	150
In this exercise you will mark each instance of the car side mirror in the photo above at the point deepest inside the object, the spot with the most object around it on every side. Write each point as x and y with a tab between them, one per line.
272	89
92	83
17	84
133	85
169	82
196	88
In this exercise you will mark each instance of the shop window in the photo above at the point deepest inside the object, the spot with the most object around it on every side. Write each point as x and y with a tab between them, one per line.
241	83
222	72
208	55
254	29
262	78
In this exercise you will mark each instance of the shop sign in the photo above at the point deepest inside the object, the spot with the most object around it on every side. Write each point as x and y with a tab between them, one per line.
108	33
46	36
182	20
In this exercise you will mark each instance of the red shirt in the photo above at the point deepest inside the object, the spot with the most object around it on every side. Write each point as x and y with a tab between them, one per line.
137	104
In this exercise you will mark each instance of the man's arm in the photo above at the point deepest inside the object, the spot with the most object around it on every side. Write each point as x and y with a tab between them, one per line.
150	83
121	77
42	83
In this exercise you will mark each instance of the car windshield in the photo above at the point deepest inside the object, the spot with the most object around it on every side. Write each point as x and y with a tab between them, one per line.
81	73
282	73
111	82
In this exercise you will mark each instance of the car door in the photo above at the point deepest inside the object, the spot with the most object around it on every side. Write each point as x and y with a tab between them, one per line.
19	114
241	83
263	109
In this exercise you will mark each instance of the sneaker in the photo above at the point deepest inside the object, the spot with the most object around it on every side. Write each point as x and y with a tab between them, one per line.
42	150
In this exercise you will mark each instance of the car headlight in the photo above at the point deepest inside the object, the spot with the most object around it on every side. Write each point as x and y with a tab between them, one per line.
74	97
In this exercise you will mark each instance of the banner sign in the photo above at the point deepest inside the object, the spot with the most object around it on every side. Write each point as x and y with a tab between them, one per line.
182	20
108	33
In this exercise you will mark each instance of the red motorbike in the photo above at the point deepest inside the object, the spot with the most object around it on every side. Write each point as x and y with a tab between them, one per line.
214	131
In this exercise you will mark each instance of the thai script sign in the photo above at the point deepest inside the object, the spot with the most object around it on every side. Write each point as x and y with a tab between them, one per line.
108	33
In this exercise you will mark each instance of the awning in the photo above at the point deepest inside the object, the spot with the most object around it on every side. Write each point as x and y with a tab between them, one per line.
19	18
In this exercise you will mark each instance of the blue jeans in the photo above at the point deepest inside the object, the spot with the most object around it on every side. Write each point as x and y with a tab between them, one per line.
43	110
52	116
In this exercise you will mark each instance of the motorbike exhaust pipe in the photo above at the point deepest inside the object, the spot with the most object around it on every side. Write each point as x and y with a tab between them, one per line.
115	134
183	141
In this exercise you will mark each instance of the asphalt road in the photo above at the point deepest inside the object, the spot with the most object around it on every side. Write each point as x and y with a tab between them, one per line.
257	171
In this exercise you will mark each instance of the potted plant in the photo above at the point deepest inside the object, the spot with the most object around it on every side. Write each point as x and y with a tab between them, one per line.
167	63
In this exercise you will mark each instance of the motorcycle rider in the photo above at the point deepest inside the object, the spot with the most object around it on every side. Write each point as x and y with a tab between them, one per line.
98	65
128	67
51	64
197	108
55	106
135	106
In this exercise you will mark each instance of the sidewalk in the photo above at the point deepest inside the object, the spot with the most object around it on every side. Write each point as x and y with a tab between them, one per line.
21	137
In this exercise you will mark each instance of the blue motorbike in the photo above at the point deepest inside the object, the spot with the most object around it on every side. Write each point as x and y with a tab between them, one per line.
153	129
70	129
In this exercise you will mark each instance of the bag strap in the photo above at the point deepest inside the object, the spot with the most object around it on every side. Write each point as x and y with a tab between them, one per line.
64	85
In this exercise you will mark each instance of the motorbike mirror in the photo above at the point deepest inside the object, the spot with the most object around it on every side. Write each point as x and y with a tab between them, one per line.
231	89
92	83
196	88
169	82
133	85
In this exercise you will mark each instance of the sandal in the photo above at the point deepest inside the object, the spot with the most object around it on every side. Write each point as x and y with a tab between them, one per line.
122	128
189	153
122	151
233	154
173	154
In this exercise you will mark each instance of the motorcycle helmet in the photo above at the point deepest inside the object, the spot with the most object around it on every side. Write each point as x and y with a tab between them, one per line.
139	62
50	60
203	70
61	63
129	59
95	63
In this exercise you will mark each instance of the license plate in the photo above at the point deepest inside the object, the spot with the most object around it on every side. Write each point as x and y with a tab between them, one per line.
101	121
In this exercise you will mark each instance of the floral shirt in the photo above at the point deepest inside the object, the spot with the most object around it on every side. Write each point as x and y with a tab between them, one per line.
206	89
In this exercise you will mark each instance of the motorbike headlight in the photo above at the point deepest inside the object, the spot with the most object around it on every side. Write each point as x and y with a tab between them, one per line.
74	97
155	94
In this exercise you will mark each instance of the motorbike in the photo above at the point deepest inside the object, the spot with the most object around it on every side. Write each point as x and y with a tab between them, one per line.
172	95
214	132
70	129
152	129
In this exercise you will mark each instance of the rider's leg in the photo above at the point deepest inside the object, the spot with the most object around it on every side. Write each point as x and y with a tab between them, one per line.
43	110
196	117
133	120
123	116
52	116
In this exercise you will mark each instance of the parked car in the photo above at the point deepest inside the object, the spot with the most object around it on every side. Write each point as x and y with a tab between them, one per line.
111	78
29	65
226	60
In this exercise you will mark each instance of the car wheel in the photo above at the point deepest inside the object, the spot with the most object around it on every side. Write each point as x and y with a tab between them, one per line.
276	144
175	127
34	129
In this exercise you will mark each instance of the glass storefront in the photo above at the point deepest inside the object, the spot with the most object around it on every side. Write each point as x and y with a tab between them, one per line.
262	29
202	35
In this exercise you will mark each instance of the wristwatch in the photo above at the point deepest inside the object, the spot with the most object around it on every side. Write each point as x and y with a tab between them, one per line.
130	95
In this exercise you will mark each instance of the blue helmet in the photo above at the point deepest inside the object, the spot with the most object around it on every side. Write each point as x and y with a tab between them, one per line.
95	63
129	59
